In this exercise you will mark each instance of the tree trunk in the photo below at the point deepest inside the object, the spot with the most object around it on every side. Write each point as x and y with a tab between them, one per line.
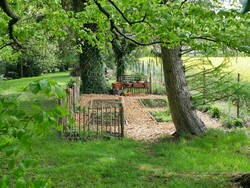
120	68
90	61
121	48
92	70
184	117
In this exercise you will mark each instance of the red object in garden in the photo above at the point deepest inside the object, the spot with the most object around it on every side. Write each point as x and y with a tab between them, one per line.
117	85
128	84
138	85
146	84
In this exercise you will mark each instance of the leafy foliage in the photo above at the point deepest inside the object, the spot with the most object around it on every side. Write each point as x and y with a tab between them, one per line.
162	116
233	122
19	125
214	112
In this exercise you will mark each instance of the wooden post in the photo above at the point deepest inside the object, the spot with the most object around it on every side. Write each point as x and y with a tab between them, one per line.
122	120
150	83
204	86
78	95
238	100
74	97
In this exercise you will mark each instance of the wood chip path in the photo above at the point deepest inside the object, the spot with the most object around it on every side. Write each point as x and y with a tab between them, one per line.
140	125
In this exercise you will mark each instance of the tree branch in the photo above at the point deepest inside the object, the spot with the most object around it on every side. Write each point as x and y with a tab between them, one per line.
117	30
15	18
4	46
208	38
124	17
205	38
183	2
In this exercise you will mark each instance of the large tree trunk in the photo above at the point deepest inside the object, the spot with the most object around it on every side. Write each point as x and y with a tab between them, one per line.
92	70
184	117
91	64
121	48
120	68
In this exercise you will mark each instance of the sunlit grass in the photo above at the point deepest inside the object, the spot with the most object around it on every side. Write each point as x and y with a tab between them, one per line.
128	163
18	85
236	64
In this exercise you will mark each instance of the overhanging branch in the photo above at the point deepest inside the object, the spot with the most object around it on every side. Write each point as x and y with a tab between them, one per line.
123	15
115	29
4	46
14	19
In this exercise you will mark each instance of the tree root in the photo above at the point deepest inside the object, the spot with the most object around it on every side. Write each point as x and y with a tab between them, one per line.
243	180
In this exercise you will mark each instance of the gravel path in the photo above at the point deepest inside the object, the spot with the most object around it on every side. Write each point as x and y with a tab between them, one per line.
141	125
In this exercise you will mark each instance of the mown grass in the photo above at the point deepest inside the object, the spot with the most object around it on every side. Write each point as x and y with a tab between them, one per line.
129	163
189	162
236	64
18	85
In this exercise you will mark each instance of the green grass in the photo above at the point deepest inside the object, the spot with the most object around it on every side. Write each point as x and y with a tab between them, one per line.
128	163
236	64
18	85
154	103
162	116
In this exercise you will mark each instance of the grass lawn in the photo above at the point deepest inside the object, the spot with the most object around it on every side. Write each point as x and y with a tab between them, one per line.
201	162
195	162
18	85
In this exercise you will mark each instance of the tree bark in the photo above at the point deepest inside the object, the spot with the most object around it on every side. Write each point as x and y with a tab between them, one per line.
121	48
184	117
90	61
92	70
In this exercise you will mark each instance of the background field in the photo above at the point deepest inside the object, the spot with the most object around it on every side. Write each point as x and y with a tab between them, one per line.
236	64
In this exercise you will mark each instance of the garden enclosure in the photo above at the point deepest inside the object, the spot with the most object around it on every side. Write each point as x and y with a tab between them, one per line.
102	117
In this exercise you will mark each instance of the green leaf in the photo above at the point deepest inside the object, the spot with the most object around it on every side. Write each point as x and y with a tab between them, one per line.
45	87
21	183
4	182
34	87
27	163
11	164
60	93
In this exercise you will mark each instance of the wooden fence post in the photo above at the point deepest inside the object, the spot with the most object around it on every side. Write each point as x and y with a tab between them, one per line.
238	100
122	119
150	83
204	86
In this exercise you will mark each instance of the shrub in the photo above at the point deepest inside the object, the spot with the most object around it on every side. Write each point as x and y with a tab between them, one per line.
214	112
30	66
11	71
19	125
204	108
233	122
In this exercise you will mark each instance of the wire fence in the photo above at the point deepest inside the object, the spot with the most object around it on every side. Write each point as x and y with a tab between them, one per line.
100	118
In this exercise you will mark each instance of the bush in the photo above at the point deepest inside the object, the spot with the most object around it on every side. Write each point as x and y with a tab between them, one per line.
214	112
204	108
31	66
233	122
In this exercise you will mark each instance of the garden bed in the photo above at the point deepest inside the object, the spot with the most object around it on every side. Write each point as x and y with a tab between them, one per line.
161	116
103	103
154	103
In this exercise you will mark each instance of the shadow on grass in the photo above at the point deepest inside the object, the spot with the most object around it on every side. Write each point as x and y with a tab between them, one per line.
129	163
